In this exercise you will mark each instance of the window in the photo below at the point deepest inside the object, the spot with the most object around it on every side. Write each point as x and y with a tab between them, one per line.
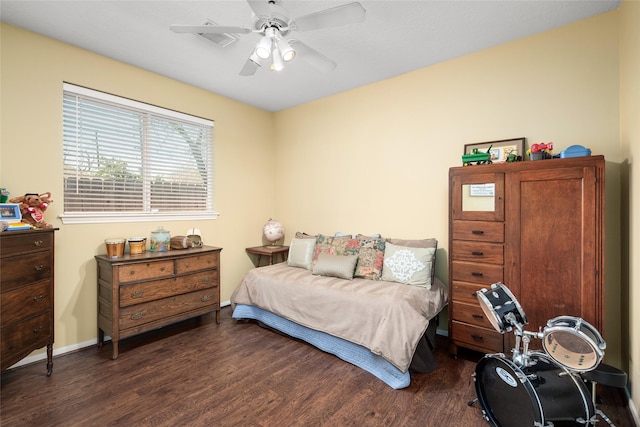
129	161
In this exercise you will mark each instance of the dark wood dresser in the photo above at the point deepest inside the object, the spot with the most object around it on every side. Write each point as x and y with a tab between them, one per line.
139	293
26	294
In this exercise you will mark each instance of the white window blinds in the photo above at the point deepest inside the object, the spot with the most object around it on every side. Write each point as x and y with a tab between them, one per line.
129	161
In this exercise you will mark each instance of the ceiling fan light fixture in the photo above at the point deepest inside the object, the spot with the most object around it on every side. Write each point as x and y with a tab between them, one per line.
287	52
263	49
277	64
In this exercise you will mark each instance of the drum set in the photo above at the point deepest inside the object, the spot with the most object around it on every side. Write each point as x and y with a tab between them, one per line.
536	388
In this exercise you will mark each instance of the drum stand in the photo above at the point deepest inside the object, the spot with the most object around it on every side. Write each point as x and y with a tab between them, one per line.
605	375
522	358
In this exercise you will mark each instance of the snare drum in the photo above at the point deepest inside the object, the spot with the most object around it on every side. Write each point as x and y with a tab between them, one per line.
512	396
573	343
497	303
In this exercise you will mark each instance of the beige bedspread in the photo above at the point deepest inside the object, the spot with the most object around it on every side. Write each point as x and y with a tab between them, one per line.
387	318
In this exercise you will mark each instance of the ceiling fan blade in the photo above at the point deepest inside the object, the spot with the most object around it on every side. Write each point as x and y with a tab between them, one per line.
336	16
207	29
313	57
249	68
260	7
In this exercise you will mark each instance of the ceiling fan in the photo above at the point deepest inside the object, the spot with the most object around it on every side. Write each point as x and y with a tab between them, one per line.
271	21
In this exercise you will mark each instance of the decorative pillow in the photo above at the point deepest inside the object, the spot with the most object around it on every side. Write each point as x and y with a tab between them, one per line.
301	252
420	243
370	258
301	235
335	246
341	266
408	265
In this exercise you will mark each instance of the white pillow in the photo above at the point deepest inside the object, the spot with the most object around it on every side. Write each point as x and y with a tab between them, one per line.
411	266
301	253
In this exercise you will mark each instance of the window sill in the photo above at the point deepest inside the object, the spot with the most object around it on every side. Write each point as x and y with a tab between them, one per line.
100	218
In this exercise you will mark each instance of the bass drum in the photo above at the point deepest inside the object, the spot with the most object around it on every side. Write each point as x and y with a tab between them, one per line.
538	395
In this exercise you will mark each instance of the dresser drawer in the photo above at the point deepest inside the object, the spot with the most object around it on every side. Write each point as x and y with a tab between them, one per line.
145	271
483	339
473	272
133	316
22	244
466	292
480	231
20	271
470	313
26	301
492	253
197	263
136	293
35	332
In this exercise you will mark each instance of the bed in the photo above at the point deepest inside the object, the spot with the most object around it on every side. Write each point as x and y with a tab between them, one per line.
384	327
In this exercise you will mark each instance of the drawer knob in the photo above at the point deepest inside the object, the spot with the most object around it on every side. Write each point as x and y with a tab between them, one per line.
186	264
137	316
37	329
38	298
476	273
205	298
477	316
38	243
206	279
477	337
477	232
137	293
39	267
477	253
163	268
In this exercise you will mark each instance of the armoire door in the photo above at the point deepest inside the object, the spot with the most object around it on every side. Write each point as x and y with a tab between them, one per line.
553	242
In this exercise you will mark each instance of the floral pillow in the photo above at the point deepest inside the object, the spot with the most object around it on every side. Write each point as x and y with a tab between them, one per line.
335	246
370	258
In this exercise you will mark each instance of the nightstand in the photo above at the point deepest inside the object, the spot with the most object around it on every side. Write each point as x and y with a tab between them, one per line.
269	251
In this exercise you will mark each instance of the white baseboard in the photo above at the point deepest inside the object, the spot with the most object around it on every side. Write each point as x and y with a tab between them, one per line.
632	408
36	357
42	355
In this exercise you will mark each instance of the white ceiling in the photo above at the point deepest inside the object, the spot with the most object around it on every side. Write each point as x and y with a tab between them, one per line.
396	37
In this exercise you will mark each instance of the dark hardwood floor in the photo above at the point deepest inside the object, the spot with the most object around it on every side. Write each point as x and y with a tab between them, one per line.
198	373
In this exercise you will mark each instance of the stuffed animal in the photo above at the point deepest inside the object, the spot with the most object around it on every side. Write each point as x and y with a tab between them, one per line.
32	206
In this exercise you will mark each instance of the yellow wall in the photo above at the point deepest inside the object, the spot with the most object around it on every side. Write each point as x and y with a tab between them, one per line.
376	159
33	69
630	188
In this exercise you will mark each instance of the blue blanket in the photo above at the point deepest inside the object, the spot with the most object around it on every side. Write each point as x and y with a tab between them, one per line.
345	350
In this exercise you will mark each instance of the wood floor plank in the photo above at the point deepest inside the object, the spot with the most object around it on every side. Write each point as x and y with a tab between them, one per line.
199	373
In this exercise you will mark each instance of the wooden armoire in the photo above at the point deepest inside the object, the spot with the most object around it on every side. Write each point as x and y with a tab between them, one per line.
537	227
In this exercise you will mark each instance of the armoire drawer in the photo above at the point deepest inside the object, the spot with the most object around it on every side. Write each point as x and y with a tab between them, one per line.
477	337
492	253
470	313
478	231
473	272
466	292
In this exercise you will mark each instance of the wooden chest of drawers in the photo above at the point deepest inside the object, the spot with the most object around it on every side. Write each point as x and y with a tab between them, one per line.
26	294
138	293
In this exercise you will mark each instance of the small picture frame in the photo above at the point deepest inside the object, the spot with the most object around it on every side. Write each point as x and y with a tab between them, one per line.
10	212
500	149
